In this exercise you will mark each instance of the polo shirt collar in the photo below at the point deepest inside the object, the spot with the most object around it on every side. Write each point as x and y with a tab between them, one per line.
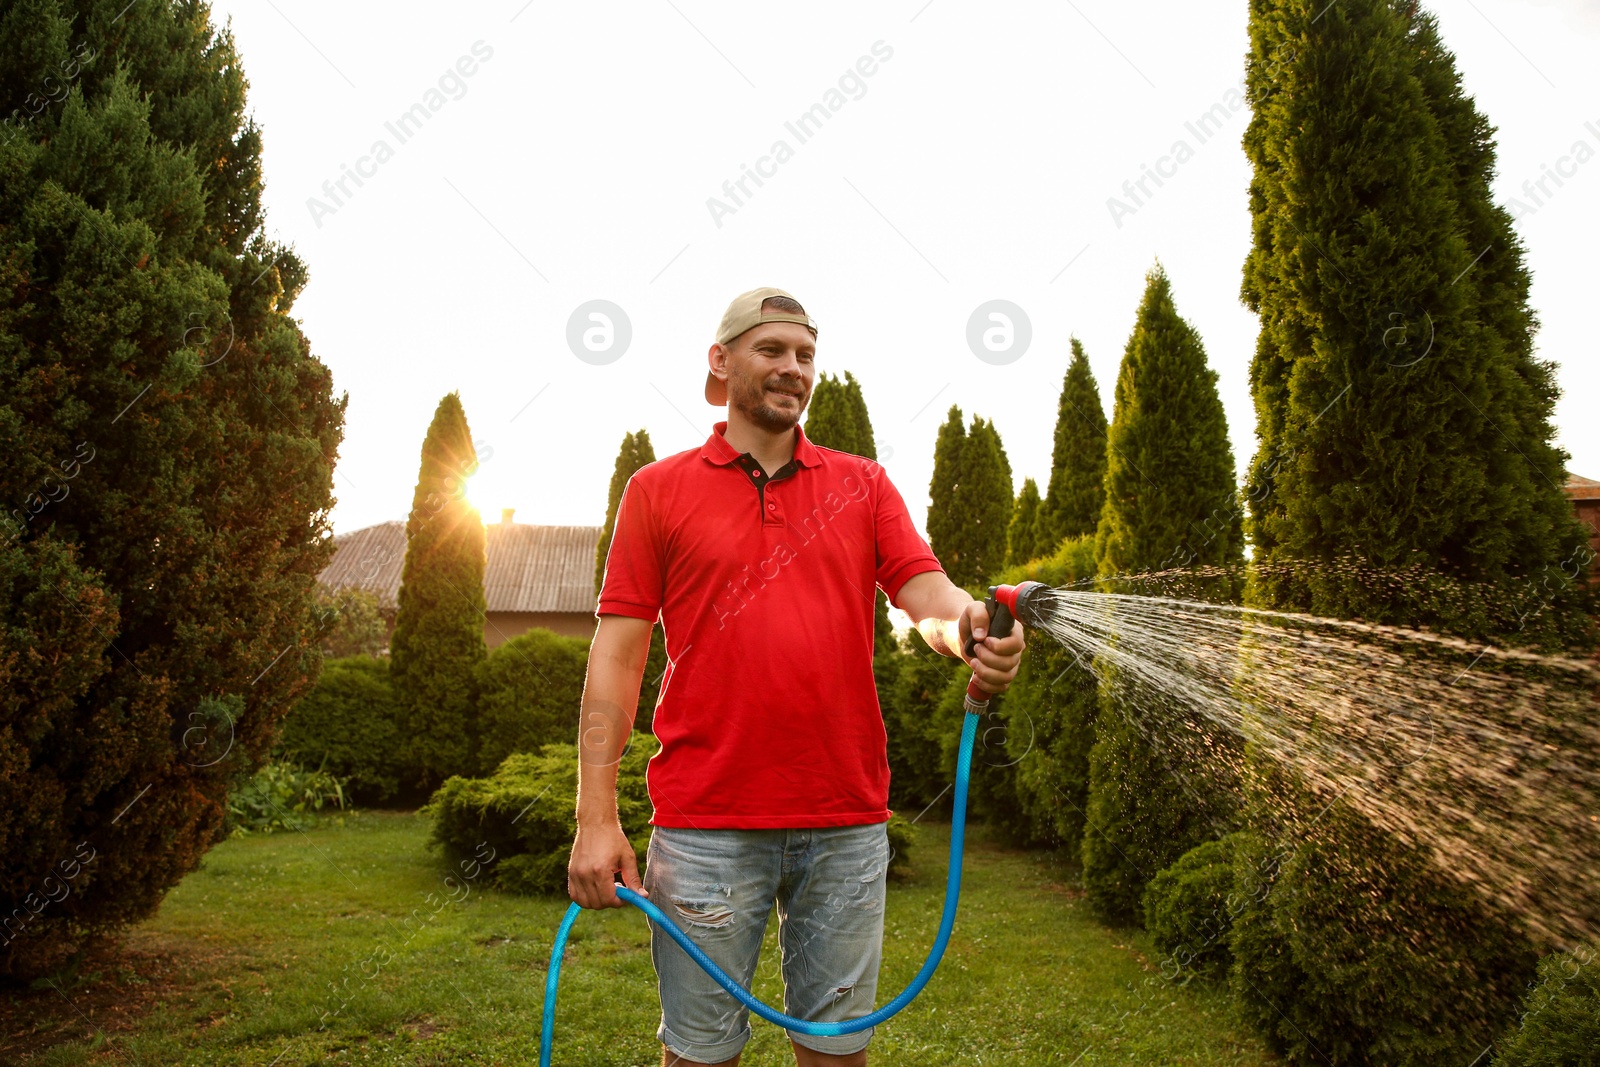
719	451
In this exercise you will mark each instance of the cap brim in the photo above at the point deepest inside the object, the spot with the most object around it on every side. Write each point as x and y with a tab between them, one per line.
716	391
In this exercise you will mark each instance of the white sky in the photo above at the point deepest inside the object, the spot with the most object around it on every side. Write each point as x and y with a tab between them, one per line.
976	166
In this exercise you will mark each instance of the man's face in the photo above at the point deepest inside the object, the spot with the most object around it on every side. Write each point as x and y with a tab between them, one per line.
771	369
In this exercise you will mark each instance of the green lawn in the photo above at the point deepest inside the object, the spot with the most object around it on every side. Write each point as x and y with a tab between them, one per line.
275	936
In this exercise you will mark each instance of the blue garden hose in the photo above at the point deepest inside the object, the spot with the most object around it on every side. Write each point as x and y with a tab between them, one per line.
976	704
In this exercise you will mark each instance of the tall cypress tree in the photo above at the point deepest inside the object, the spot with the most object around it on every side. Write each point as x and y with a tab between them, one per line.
636	451
866	443
846	426
1022	538
1077	459
983	503
169	442
438	647
945	528
1404	422
1169	495
832	419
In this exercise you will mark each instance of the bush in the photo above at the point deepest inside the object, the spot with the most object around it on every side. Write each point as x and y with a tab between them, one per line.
1188	908
531	688
169	442
525	814
1560	1025
348	724
902	838
916	767
1352	949
1050	713
352	622
281	796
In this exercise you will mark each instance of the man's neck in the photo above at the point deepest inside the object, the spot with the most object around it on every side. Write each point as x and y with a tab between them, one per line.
771	450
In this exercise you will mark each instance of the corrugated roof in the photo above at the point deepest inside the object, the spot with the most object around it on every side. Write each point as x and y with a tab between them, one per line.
1580	488
527	568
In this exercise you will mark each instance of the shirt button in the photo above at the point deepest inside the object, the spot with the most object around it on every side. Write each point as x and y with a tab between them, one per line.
772	507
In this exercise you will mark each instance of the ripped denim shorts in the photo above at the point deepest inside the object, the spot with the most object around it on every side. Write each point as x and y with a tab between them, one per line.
719	886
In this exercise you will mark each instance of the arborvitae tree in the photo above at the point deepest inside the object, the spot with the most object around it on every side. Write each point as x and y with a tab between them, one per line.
1050	713
1170	501
831	419
945	525
845	425
1403	420
169	443
866	443
636	451
438	649
1404	426
1077	460
1169	490
983	503
1023	537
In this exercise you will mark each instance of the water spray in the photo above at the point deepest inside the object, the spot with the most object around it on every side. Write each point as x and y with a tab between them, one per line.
1004	603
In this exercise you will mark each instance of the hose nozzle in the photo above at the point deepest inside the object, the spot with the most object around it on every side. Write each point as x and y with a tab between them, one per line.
1005	604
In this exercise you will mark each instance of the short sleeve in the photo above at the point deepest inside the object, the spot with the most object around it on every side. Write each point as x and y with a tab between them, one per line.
633	583
902	551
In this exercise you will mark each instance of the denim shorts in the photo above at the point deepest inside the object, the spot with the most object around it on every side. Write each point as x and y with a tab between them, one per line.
719	886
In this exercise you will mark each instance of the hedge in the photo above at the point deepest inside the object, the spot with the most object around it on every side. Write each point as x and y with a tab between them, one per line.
525	813
531	689
1560	1025
347	726
1188	908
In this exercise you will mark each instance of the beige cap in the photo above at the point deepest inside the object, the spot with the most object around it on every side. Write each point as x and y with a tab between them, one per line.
743	314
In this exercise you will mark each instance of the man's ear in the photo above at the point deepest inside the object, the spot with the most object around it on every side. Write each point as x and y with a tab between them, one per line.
717	360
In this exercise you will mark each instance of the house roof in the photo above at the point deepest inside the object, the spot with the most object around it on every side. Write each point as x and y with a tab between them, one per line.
528	568
1579	488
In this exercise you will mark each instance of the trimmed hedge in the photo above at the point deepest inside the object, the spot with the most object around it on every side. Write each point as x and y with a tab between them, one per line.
1050	713
1560	1024
532	688
347	726
1352	949
1188	908
525	813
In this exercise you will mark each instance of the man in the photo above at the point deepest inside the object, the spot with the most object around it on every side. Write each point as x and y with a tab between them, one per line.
760	552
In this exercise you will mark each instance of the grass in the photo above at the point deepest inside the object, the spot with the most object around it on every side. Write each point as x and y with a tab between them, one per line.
324	947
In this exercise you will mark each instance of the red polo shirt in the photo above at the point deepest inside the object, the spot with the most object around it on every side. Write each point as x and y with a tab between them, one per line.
768	716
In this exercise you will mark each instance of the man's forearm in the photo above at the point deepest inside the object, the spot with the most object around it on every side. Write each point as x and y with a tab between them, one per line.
602	736
941	627
610	699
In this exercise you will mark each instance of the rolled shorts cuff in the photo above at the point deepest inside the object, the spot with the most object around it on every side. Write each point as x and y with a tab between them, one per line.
722	1050
840	1045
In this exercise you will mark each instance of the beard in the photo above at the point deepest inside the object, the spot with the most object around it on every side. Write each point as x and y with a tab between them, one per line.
751	400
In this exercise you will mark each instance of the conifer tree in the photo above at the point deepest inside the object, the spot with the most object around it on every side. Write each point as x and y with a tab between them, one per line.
844	424
831	418
636	451
1170	499
1403	424
982	503
1076	489
437	649
866	443
945	528
169	441
1022	538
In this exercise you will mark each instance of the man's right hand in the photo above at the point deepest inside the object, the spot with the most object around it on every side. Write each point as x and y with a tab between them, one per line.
599	852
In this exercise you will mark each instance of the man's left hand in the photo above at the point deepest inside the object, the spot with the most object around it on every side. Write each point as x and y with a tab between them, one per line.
995	659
